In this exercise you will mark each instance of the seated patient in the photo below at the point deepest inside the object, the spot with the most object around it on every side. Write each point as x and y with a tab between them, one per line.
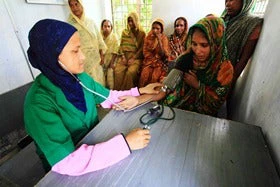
131	54
207	71
59	112
156	53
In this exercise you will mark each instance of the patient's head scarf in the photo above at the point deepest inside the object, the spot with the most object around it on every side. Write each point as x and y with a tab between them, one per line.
214	29
47	39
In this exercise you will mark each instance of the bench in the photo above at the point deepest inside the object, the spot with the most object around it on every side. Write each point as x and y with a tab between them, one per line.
24	168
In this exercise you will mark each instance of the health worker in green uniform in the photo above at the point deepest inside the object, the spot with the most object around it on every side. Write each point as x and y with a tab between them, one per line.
60	107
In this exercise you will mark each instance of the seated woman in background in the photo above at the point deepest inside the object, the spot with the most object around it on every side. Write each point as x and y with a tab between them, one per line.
242	34
112	43
59	109
131	54
92	44
207	71
177	40
156	53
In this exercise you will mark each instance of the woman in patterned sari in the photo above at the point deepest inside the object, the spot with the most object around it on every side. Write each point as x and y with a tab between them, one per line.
207	71
177	40
242	34
131	54
92	43
156	53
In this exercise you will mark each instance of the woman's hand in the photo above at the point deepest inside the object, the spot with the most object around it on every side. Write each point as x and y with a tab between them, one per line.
191	79
153	88
130	61
101	58
158	36
138	138
102	61
123	60
111	65
127	102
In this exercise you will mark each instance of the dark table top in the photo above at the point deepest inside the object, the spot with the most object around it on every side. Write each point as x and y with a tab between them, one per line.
191	150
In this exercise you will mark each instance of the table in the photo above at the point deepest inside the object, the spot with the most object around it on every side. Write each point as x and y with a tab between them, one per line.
191	150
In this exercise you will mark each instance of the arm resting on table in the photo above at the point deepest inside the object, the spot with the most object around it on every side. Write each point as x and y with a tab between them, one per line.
89	158
114	96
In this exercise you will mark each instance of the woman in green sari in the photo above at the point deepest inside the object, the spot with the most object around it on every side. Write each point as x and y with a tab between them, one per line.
207	71
131	54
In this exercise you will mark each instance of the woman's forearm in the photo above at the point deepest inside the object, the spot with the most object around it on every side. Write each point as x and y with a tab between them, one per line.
89	158
151	97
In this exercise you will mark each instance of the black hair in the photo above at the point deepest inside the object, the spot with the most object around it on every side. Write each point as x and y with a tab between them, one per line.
200	30
75	0
160	24
181	18
104	20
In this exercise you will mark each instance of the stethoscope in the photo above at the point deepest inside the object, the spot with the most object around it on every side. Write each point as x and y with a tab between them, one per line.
88	89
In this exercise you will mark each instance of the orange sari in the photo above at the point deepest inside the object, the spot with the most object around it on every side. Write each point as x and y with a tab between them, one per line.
154	67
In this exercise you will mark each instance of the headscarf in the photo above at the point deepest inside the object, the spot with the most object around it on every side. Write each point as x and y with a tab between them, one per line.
102	23
217	75
131	42
161	22
239	28
102	32
47	39
214	29
178	43
73	16
136	21
184	35
151	40
83	21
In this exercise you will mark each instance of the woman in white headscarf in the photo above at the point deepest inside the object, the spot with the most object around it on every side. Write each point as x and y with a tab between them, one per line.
92	43
112	42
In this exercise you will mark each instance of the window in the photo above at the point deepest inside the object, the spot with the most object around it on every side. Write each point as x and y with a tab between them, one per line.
121	8
259	7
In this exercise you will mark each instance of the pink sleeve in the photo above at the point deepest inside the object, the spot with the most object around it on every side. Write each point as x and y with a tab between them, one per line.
114	96
89	158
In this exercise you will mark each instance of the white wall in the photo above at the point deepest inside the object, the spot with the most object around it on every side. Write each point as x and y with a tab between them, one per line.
192	10
15	25
13	66
98	10
257	94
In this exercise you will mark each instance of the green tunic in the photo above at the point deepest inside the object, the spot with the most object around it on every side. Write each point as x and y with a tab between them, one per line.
53	122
